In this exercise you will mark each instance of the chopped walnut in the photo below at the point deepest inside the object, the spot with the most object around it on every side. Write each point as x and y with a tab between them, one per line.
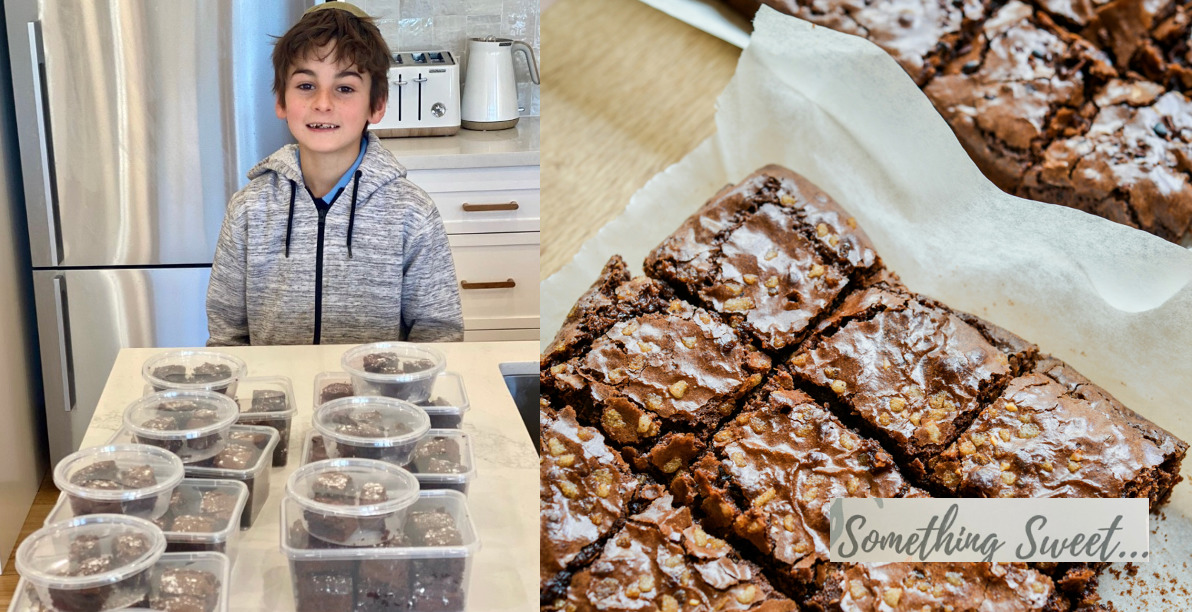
612	419
1077	456
668	604
979	439
848	442
839	386
771	282
933	432
817	271
857	589
892	596
645	583
674	306
654	402
750	279
558	369
916	418
1010	407
637	362
883	419
585	434
1030	430
555	447
886	364
833	240
1038	587
739	459
689	341
788	522
672	466
701	537
967	448
678	389
800	360
757	424
723	436
569	489
705	318
740	304
1073	466
1004	434
786	200
764	498
821	230
897	404
852	222
603	489
1047	466
771	254
747	594
629	329
567	460
616	376
643	423
852	485
1008	478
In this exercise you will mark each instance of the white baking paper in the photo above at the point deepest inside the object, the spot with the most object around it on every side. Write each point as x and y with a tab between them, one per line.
712	16
1114	302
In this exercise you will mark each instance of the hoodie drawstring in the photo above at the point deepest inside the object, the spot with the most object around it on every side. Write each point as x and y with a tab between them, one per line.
290	221
352	214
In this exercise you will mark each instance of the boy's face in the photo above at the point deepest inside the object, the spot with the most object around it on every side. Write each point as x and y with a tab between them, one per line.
327	105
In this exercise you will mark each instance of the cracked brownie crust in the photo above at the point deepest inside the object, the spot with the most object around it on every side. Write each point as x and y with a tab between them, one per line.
770	255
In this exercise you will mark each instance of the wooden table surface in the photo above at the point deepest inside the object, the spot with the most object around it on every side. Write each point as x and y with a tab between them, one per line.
627	91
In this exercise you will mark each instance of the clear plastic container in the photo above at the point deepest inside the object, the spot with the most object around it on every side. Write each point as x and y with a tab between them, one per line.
250	467
193	370
165	584
370	427
131	479
25	597
446	405
91	563
452	446
393	369
191	424
352	502
205	512
397	577
269	401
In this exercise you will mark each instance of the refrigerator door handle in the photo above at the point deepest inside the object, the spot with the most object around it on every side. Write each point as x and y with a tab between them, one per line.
44	146
65	353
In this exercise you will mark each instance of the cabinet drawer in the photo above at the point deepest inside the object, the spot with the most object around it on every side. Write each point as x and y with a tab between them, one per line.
476	179
478	212
498	276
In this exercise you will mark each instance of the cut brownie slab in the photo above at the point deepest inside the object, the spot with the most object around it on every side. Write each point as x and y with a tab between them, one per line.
1052	433
913	371
1005	587
584	491
1022	81
673	373
663	560
1131	166
770	255
773	474
920	34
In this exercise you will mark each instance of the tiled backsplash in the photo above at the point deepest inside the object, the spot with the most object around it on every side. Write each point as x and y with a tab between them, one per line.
421	25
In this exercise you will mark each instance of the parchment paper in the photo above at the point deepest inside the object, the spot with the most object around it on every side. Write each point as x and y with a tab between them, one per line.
1114	302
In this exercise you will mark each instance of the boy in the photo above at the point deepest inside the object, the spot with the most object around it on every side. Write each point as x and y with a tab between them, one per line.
329	242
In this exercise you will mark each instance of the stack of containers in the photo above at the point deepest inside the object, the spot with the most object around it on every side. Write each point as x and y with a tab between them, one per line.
194	406
107	562
442	456
360	535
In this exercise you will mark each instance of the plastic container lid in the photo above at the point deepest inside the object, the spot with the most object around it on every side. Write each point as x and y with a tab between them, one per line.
150	407
44	556
248	386
400	485
167	470
353	361
448	397
452	502
123	435
392	412
190	359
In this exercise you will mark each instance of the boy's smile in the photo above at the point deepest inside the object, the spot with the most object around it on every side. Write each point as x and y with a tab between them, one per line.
327	108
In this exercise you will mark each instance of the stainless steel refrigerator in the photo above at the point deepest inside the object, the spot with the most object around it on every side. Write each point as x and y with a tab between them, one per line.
137	120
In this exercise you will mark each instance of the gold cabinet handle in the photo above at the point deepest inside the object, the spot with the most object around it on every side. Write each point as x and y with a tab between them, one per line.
489	207
505	284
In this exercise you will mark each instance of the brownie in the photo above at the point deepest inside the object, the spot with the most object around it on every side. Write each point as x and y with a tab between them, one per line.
773	473
200	585
390	363
615	296
268	400
1124	28
106	476
912	371
1052	433
770	255
100	470
236	456
210	372
129	547
85	558
325	592
384	584
680	368
281	452
663	559
1165	55
181	603
584	490
443	448
218	505
1010	587
1132	164
188	523
335	391
1021	83
171	373
920	34
340	489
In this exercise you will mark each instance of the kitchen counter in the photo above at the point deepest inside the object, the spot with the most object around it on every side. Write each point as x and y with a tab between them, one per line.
629	91
502	499
517	146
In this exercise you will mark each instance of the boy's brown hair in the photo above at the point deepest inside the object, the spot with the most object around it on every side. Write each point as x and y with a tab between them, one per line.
355	39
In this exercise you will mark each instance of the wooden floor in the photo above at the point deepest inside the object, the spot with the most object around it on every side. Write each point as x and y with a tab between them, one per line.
47	496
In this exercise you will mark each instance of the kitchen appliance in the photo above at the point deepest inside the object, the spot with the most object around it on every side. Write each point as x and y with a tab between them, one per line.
135	127
423	95
490	86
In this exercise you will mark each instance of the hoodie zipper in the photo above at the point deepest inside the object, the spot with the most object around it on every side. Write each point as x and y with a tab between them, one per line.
322	207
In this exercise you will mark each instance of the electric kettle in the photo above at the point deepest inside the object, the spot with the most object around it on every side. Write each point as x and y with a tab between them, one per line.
490	88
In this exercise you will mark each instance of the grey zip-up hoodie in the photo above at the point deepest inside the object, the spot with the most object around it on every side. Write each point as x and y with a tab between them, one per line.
385	271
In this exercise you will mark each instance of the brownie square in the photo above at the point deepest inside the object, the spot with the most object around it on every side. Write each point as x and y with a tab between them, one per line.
913	372
1131	166
325	592
267	400
663	559
774	471
770	255
936	586
681	369
1021	83
584	490
919	34
1052	433
201	585
335	391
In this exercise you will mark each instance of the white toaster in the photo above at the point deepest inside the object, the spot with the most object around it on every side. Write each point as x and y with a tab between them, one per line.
423	95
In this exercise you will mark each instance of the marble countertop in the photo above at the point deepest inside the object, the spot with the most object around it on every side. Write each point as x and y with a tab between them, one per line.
517	146
502	500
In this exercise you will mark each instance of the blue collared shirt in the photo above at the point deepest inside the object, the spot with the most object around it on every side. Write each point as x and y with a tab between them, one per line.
347	177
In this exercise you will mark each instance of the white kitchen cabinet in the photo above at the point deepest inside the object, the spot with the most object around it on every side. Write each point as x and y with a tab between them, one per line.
486	187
